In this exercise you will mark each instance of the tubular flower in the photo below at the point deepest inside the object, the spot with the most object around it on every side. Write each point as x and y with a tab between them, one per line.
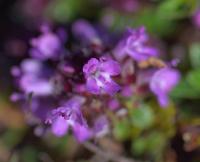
162	82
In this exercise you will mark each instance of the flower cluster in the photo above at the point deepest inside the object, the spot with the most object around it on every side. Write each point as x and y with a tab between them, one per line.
88	75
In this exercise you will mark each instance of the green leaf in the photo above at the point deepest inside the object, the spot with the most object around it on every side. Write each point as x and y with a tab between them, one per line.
195	55
188	87
152	143
142	117
138	146
148	18
67	10
122	130
29	154
185	90
193	78
176	9
12	137
155	140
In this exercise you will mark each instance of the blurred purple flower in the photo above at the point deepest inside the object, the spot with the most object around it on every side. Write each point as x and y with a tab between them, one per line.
69	115
196	18
46	46
127	91
33	78
134	45
85	32
101	126
162	82
113	104
98	76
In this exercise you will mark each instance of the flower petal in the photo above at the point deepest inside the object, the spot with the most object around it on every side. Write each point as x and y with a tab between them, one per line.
59	127
111	87
92	86
81	132
111	67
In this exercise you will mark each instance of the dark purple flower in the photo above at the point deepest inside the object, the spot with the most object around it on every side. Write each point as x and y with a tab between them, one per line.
134	45
162	82
85	32
69	115
46	46
98	76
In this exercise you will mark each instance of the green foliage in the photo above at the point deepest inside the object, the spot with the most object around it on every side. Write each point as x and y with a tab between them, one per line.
67	10
152	143
12	137
193	79
189	87
142	117
160	20
58	144
176	9
29	154
148	17
195	55
122	129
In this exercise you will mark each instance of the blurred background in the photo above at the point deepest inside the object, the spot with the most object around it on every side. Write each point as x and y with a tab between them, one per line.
175	27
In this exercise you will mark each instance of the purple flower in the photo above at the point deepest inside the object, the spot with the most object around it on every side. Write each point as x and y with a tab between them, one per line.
33	78
196	18
162	82
81	132
46	46
134	45
85	32
127	91
113	104
69	115
98	76
101	126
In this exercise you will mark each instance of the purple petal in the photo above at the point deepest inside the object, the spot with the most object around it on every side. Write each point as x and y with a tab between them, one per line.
92	86
163	100
91	66
111	87
84	31
81	132
41	87
32	66
101	126
111	67
59	127
162	82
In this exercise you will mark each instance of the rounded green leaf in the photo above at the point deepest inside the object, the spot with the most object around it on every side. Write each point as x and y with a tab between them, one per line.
142	117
